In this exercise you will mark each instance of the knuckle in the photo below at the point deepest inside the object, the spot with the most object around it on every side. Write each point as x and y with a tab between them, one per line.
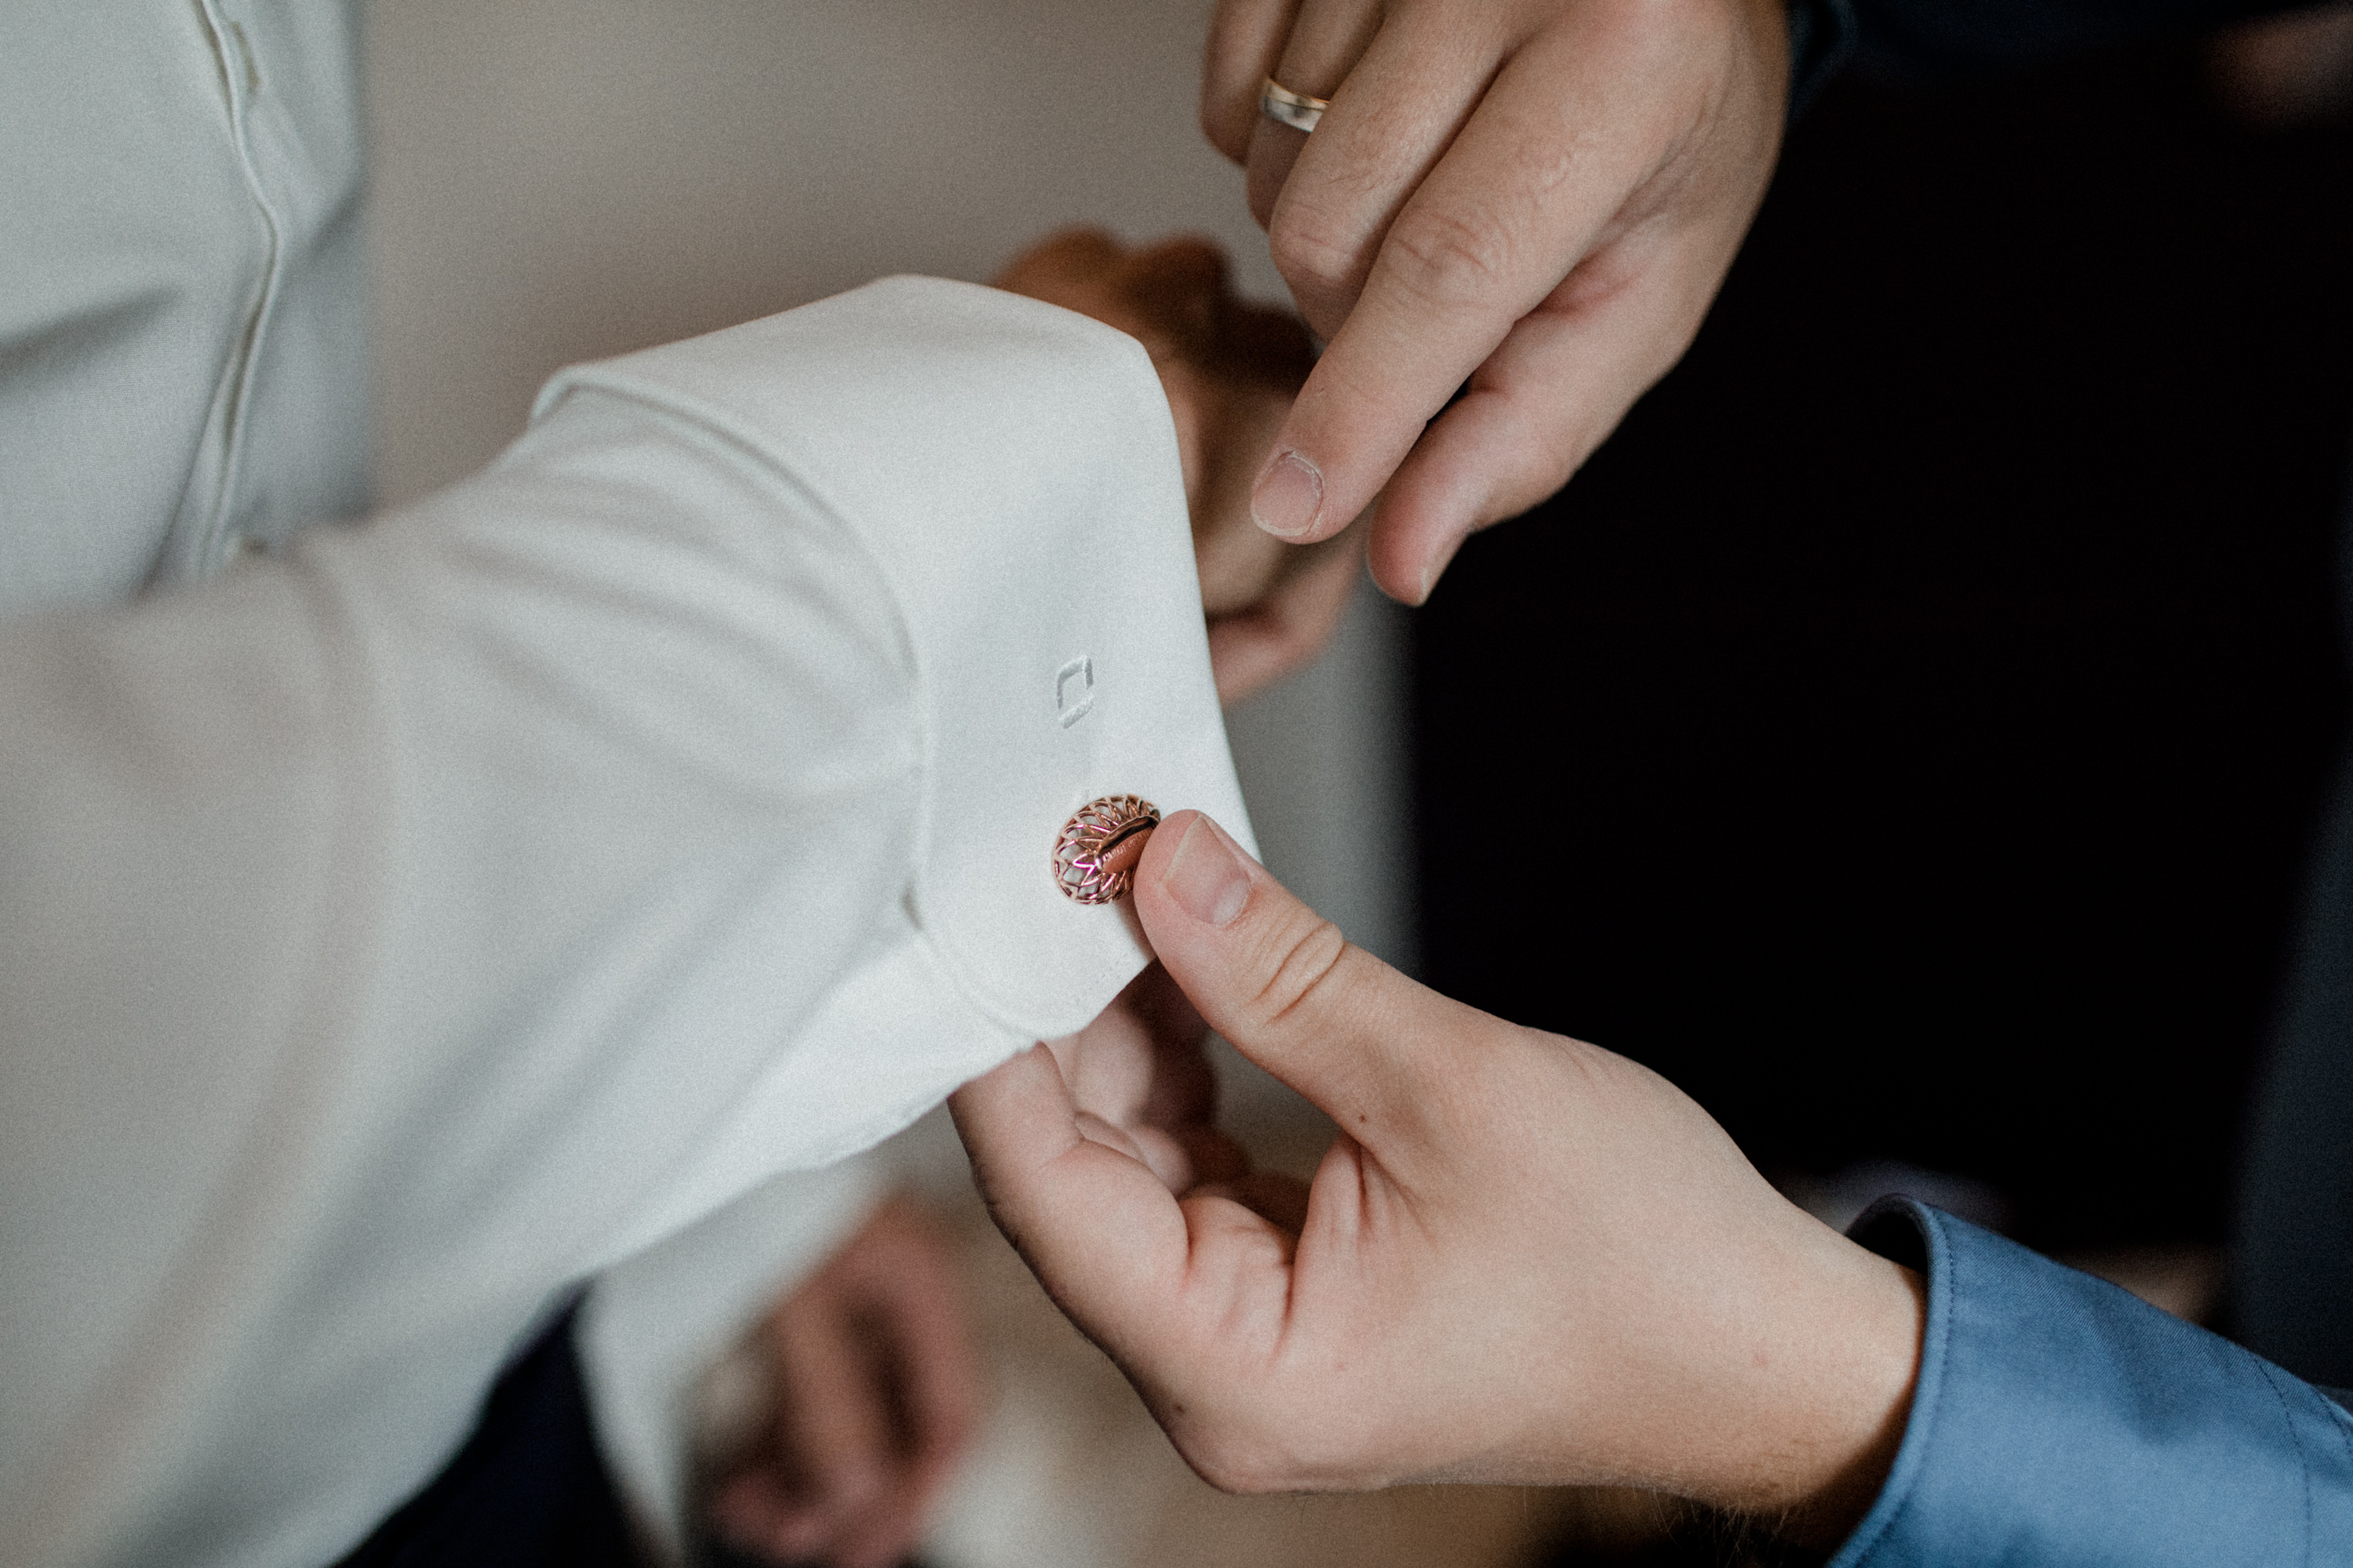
1311	250
1447	261
1305	955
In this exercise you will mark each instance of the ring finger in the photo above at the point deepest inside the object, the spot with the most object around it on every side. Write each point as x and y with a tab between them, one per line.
1246	39
1327	39
1407	97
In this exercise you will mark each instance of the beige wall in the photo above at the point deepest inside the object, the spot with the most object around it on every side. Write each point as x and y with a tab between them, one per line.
556	180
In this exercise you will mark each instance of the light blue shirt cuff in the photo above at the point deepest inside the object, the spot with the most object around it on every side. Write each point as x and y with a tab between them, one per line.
2060	1420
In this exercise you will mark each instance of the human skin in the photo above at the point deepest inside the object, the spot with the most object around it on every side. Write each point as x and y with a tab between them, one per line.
873	1391
1530	201
873	1385
1230	369
1524	1259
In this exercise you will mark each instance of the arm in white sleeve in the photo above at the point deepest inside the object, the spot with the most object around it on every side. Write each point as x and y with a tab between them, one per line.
394	934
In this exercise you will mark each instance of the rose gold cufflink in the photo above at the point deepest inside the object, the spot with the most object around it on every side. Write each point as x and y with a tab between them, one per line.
1096	852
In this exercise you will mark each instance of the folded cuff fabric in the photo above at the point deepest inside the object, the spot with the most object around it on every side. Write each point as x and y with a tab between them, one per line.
404	929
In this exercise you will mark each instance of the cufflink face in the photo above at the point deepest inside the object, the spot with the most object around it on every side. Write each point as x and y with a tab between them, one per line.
1096	852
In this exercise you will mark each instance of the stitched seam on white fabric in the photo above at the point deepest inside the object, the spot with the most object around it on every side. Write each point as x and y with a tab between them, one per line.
723	423
717	420
198	549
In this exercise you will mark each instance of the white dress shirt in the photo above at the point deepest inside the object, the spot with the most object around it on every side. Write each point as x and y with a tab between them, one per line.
400	923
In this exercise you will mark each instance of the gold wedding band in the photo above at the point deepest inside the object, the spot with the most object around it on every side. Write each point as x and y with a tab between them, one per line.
1284	106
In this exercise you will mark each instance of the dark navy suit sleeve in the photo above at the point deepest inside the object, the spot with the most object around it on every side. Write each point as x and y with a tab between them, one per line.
2058	1420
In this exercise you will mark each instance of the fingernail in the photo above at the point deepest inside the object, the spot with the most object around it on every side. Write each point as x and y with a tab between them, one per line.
1288	495
1205	876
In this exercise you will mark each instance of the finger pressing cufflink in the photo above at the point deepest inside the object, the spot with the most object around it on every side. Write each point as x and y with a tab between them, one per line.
1284	106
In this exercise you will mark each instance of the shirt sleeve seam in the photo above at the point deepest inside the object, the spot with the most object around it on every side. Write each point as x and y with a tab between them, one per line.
667	400
723	426
2304	1465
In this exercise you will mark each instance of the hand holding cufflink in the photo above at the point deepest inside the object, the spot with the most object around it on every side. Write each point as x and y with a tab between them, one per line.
1523	1260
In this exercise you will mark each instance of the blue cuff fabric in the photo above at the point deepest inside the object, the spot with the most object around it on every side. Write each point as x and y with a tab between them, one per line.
2060	1420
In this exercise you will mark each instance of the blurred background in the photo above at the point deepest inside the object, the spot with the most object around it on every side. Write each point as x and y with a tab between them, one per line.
1933	685
1915	719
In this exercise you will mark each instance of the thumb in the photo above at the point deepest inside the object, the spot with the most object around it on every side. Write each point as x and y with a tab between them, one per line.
1362	1041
